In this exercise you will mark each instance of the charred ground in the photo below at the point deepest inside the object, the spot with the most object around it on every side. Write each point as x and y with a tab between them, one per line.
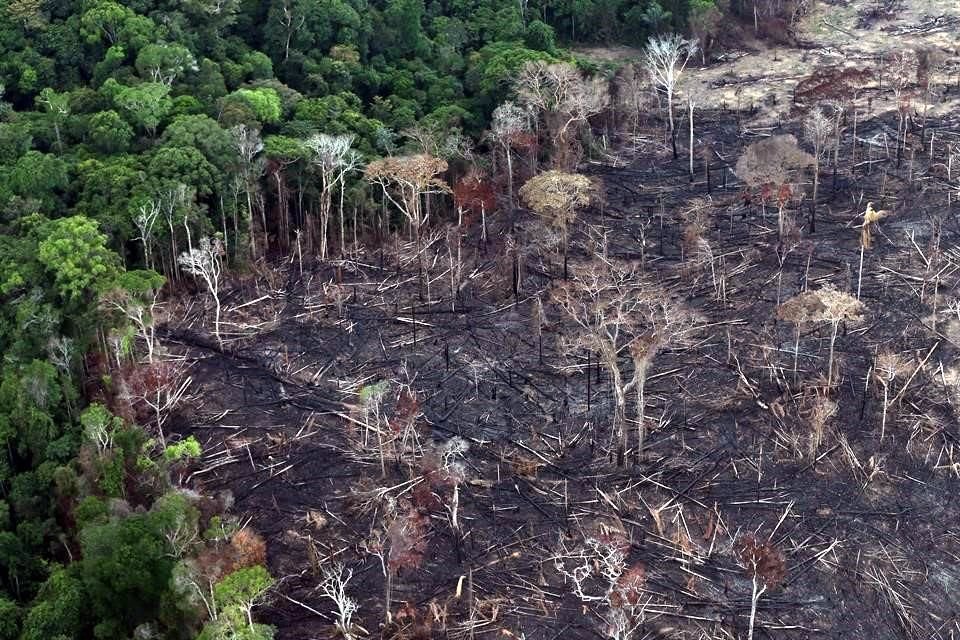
867	527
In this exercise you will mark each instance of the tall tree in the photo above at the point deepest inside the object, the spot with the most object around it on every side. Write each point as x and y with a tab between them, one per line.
665	59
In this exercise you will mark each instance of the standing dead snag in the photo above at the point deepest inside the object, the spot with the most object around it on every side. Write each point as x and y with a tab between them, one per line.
508	124
665	59
598	572
334	586
824	305
333	158
817	128
405	180
771	161
615	311
473	195
887	366
556	196
205	261
249	145
903	68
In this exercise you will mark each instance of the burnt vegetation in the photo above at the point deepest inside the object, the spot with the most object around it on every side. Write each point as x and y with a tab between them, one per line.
644	406
573	380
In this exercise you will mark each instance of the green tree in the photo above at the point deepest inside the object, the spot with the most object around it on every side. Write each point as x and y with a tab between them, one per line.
40	177
145	104
60	610
263	103
75	252
165	63
109	133
10	615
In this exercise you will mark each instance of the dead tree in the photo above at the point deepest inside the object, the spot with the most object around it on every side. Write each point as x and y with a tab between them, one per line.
766	567
615	313
887	367
827	304
509	122
405	181
248	145
771	161
870	218
817	128
556	197
205	261
154	390
631	94
694	97
665	59
565	100
145	219
902	69
334	587
334	158
474	196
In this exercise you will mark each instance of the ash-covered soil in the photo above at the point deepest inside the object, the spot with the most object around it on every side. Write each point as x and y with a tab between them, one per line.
507	479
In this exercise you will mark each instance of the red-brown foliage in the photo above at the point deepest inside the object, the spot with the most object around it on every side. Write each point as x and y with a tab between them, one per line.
629	587
474	193
136	381
762	560
407	410
408	539
245	549
409	623
249	548
830	83
784	193
424	498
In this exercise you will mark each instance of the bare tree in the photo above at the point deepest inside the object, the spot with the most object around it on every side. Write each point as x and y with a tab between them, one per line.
173	202
157	388
817	128
334	158
631	89
665	59
248	145
145	219
564	98
508	122
694	96
205	261
616	313
334	587
902	67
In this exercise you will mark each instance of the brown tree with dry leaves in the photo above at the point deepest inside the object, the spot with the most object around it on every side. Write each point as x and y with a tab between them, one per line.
405	180
556	197
772	161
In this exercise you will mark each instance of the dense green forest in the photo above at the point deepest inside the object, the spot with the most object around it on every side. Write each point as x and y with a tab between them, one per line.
131	129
